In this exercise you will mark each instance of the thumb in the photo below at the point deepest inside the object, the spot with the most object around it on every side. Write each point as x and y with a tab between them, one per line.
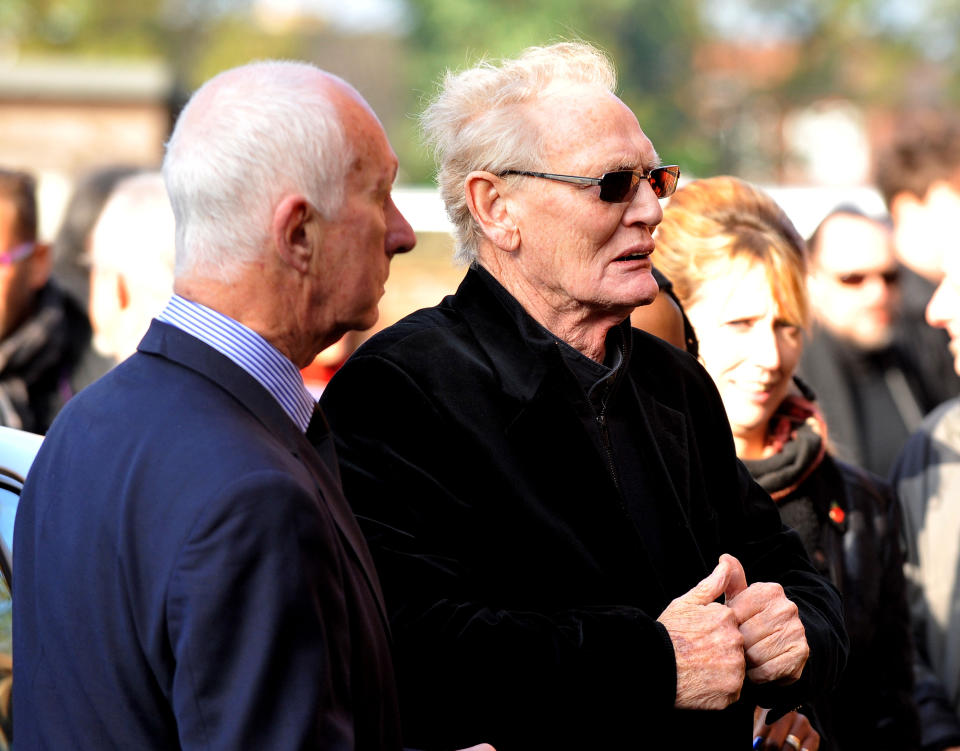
712	587
736	580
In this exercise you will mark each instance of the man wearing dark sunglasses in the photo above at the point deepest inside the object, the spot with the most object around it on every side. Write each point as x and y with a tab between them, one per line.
873	387
42	331
552	497
919	176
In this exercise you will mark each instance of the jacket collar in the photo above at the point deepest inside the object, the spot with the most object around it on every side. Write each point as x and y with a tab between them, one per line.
176	345
523	352
528	361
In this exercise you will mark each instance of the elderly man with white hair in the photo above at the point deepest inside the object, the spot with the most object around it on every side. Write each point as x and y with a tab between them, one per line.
130	282
131	258
188	573
553	498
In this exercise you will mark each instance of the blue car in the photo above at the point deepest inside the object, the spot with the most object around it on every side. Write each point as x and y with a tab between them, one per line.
17	449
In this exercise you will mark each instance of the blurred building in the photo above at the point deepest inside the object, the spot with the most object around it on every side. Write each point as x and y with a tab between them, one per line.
60	117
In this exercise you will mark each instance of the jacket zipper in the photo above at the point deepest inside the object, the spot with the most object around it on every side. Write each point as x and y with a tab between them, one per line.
607	448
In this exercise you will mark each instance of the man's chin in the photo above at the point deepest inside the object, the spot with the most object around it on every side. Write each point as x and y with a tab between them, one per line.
641	299
368	320
874	340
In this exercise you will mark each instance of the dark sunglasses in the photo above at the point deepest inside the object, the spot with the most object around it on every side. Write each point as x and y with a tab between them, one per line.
620	186
856	279
17	253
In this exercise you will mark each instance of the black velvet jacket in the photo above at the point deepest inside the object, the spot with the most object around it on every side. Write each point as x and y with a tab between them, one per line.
526	544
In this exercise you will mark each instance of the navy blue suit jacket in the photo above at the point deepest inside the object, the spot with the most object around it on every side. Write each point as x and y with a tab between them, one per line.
188	574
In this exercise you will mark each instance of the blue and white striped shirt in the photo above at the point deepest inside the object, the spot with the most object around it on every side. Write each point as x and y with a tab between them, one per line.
247	349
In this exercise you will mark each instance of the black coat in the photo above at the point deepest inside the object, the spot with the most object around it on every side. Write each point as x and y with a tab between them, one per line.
527	545
850	523
873	401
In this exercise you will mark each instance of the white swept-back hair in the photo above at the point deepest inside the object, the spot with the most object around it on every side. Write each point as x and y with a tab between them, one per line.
246	138
478	122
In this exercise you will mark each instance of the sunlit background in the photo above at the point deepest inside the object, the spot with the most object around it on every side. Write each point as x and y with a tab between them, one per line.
794	96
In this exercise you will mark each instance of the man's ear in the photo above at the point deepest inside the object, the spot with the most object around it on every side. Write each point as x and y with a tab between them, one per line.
123	293
491	209
291	231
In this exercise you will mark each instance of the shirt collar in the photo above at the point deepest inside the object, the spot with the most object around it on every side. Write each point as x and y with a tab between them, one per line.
244	346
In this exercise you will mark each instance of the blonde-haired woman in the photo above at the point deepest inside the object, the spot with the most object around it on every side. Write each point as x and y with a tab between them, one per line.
738	268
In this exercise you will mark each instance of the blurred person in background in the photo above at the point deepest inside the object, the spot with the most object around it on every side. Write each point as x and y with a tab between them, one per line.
131	252
872	385
43	332
739	268
552	496
71	245
665	317
927	473
318	373
918	173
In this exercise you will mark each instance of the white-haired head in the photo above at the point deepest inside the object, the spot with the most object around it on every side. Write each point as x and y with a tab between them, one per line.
478	120
132	258
246	138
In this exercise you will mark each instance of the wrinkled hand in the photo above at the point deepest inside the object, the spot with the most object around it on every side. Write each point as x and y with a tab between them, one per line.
804	737
774	639
706	640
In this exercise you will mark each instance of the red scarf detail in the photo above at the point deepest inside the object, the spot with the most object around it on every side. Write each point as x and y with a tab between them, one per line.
793	412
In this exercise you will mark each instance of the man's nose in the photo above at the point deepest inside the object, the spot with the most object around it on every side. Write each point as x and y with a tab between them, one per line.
877	288
937	312
645	207
400	235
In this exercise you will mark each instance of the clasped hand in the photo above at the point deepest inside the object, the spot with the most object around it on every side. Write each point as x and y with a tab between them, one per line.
756	634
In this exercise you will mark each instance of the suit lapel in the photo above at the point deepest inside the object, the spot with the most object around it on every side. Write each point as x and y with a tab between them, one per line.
320	459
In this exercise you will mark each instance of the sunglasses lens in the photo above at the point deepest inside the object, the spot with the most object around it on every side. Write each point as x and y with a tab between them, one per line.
621	186
855	279
852	280
663	180
617	187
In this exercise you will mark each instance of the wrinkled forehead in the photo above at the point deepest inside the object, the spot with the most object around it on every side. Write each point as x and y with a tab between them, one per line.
589	127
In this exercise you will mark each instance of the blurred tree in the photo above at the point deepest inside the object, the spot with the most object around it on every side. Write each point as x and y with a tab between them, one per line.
710	80
197	38
651	42
883	55
868	49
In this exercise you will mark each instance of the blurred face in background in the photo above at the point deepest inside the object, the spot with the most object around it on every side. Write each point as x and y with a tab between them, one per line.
23	271
854	281
748	346
943	310
925	230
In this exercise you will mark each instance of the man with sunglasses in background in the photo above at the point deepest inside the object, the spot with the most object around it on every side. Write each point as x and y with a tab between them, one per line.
919	175
549	493
42	332
873	382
